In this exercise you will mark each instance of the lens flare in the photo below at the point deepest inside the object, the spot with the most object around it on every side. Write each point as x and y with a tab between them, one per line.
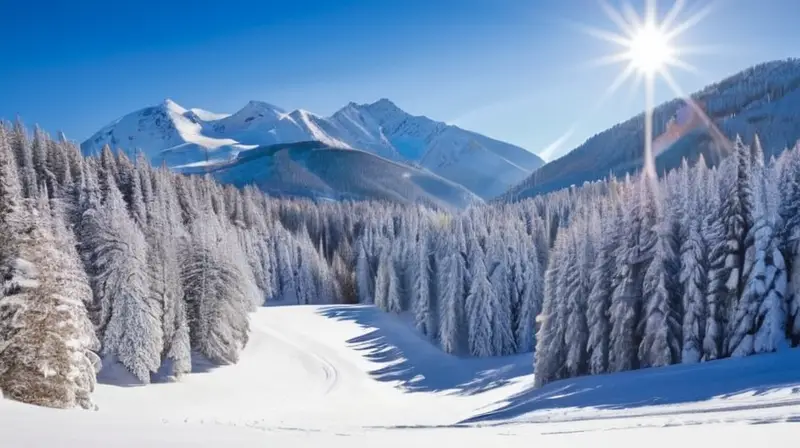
648	52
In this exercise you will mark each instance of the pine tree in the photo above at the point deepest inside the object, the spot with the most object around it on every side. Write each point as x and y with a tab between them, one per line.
364	276
116	252
424	305
503	341
661	338
694	266
394	291
576	291
550	350
382	280
164	236
216	294
479	311
10	206
789	215
451	302
46	341
738	220
599	300
633	256
530	304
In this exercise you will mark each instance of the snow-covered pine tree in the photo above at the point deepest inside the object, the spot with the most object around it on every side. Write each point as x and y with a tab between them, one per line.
10	206
737	218
503	341
46	341
23	154
599	300
773	312
383	278
478	304
789	234
395	269
126	318
575	292
694	266
424	304
165	234
364	276
215	292
451	299
714	235
530	298
761	312
661	336
633	258
550	349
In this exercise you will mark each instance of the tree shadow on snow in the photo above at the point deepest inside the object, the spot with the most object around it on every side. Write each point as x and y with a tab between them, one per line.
419	366
723	379
115	374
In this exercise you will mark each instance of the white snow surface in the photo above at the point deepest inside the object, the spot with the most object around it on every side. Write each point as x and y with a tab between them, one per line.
354	376
172	134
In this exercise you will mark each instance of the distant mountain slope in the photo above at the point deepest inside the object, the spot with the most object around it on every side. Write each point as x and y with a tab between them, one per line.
315	170
763	100
179	137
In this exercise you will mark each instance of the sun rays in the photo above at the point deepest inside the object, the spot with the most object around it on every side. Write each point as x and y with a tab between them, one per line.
648	50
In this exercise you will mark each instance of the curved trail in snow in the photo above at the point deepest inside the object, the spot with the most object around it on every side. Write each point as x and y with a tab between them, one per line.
349	369
312	375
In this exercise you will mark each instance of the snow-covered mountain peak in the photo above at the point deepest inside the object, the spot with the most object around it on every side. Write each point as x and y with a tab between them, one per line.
178	136
254	106
171	106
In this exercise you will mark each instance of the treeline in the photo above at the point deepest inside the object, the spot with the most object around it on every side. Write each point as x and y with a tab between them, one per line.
109	258
701	265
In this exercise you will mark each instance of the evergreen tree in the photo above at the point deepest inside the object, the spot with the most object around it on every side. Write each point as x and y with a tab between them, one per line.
46	341
479	310
694	266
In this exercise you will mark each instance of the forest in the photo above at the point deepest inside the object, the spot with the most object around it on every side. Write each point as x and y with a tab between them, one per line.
109	260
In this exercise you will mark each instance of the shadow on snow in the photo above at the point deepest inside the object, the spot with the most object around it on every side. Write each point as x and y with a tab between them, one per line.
416	363
723	379
113	373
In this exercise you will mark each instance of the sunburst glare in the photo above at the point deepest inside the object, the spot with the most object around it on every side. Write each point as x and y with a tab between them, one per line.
648	51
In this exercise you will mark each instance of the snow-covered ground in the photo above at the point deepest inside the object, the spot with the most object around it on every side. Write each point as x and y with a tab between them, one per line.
354	376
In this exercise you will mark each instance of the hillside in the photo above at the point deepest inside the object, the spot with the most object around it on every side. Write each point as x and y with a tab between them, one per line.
762	100
178	136
353	376
314	170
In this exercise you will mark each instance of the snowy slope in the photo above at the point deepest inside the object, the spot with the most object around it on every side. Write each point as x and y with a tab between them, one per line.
763	100
355	376
169	133
315	170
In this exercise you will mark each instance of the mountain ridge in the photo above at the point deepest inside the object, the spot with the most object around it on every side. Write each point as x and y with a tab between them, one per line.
763	100
177	136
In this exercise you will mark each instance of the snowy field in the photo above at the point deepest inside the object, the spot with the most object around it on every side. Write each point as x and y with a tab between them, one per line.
354	376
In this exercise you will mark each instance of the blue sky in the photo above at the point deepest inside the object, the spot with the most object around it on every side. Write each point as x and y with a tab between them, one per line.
513	69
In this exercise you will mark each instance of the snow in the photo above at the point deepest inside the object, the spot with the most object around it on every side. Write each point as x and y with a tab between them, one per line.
181	137
355	376
208	116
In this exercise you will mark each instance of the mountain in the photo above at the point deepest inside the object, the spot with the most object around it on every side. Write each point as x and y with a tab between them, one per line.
762	100
316	170
183	137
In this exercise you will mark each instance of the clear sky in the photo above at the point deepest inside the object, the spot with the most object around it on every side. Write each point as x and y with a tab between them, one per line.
512	69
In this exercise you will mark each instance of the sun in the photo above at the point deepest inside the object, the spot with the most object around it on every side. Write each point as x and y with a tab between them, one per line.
650	50
647	51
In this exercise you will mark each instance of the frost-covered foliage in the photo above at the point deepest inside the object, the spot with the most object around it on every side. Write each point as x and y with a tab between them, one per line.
46	339
696	266
141	266
610	276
